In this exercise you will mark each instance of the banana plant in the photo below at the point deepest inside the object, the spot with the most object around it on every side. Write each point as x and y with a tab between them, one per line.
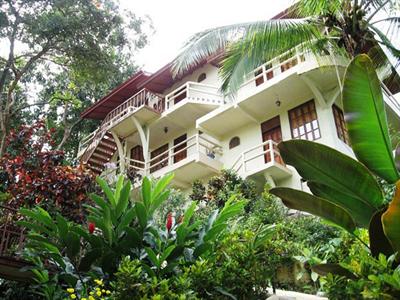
189	239
345	191
120	227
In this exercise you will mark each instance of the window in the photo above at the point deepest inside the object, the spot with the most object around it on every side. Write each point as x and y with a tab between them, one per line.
341	127
234	142
304	122
202	77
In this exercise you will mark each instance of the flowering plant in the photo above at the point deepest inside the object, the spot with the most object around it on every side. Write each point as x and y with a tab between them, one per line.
99	291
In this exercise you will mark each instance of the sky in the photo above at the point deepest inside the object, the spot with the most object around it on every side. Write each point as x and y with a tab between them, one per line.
176	20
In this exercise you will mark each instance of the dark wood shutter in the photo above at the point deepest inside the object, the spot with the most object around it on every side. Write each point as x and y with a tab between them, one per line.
137	154
341	127
180	153
155	165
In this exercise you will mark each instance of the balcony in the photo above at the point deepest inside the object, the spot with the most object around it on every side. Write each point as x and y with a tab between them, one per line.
261	160
146	106
194	158
283	78
192	100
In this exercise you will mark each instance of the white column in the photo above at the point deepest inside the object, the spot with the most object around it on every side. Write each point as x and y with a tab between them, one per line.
269	179
121	153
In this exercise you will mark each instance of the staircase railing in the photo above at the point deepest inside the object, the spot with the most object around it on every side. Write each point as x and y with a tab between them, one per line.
143	97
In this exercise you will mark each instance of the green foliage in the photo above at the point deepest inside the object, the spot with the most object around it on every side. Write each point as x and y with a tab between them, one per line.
375	278
69	66
121	227
344	190
132	282
367	126
221	187
176	203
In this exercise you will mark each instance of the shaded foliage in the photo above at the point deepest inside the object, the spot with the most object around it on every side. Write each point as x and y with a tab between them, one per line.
35	174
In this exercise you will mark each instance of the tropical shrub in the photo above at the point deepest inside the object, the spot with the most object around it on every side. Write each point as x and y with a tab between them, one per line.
120	227
345	191
132	282
220	188
34	174
239	267
367	277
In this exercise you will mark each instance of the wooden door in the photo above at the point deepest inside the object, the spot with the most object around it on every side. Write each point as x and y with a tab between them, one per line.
161	161
137	154
271	130
180	153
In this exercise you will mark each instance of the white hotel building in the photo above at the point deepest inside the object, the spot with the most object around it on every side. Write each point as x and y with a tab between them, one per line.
154	124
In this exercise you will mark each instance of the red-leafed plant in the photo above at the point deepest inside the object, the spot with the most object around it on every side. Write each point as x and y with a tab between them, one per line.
33	173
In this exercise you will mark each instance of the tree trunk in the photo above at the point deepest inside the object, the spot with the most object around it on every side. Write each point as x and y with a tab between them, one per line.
2	143
66	135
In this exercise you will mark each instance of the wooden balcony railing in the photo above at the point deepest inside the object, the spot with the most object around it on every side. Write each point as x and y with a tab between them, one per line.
12	236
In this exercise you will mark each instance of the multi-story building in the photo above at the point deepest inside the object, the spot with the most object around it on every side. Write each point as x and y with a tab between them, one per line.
154	124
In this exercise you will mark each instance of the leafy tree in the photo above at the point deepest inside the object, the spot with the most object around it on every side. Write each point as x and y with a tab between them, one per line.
34	174
329	27
86	40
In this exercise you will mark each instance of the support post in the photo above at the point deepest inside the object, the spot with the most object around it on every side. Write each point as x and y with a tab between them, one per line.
144	134
314	89
121	154
269	180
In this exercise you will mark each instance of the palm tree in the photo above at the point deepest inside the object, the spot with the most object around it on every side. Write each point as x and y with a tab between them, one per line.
349	27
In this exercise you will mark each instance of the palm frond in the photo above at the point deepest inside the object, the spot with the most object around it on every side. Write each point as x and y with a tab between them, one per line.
385	42
307	8
205	43
208	42
391	25
263	44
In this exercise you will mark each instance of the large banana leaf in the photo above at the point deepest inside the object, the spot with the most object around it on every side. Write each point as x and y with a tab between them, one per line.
391	220
360	211
320	207
378	242
366	118
320	163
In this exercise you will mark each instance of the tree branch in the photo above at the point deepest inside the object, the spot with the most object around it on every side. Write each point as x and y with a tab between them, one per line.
22	107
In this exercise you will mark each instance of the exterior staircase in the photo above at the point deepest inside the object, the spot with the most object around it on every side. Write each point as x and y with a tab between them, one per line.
99	147
100	151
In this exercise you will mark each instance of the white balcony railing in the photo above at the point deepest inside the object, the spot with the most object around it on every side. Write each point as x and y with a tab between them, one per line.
196	92
390	99
258	158
187	149
144	97
275	67
122	111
